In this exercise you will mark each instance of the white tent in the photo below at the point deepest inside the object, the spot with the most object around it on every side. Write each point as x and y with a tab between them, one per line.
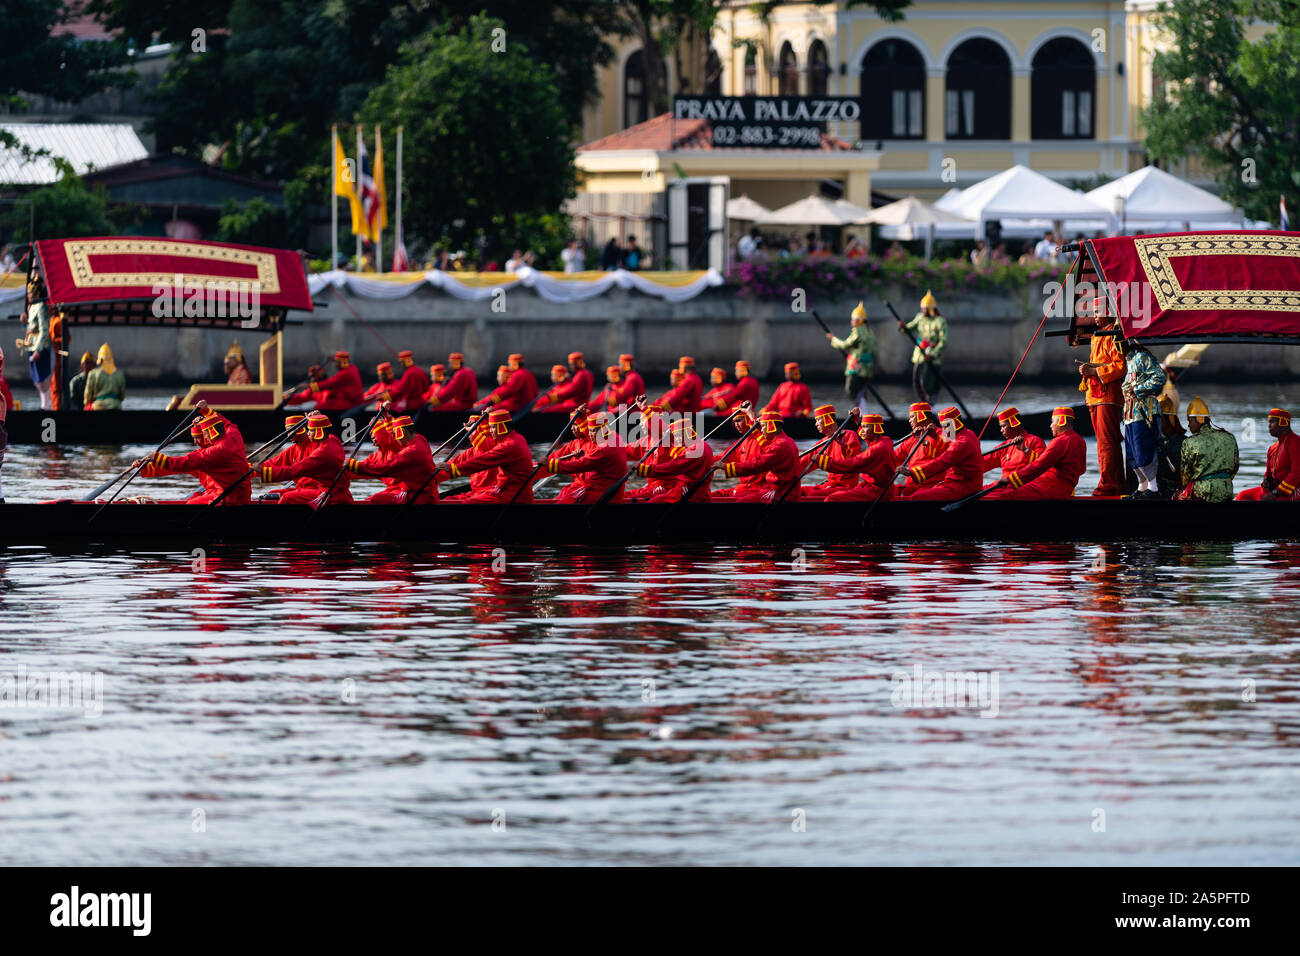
745	209
813	211
1151	195
1020	193
850	209
912	218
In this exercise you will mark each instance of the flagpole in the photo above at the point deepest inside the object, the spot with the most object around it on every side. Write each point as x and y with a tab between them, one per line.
379	226
357	185
334	198
398	242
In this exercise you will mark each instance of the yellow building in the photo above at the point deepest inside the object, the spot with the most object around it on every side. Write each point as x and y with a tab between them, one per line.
956	92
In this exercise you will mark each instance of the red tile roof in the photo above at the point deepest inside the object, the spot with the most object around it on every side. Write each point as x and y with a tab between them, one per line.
663	133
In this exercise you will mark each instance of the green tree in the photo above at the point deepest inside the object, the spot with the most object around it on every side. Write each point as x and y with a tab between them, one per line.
486	134
255	223
67	209
1231	102
38	58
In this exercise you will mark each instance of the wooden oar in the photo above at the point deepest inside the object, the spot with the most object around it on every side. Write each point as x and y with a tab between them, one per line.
324	499
1000	483
411	499
278	443
134	469
866	381
699	482
812	463
938	372
890	484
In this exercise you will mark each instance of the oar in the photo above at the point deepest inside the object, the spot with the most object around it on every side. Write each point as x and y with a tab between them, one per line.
301	385
812	452
866	381
885	490
134	469
411	499
613	489
1000	483
937	371
324	499
699	482
278	443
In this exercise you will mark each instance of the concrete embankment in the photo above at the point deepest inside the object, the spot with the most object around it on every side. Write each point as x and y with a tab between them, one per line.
988	333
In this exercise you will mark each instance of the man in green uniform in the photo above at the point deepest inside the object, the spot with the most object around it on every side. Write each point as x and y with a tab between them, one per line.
77	387
1170	443
859	356
1209	457
105	385
930	329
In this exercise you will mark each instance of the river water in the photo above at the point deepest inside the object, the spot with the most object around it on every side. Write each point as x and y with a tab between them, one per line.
1134	704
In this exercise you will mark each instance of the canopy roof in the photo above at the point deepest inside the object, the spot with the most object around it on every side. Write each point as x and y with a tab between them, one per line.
813	211
742	207
1152	195
1020	193
1200	286
143	280
911	211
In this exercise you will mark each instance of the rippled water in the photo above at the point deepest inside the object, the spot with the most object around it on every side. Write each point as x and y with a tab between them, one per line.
651	705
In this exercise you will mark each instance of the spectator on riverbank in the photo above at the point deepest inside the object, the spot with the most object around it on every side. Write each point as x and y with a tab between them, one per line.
749	244
519	259
573	257
612	257
1046	248
631	255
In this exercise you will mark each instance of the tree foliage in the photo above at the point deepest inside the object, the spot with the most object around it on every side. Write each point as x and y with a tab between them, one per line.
39	58
67	209
1232	102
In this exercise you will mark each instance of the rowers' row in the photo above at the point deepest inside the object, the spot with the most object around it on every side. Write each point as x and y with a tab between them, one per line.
454	388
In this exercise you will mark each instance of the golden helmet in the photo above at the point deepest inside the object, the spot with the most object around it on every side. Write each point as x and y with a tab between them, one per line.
928	301
1197	408
860	312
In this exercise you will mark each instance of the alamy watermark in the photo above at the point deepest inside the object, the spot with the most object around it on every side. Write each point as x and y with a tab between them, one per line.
1132	300
947	689
53	690
234	299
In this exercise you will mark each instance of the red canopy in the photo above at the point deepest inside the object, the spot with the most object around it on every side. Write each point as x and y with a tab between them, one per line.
1200	286
151	279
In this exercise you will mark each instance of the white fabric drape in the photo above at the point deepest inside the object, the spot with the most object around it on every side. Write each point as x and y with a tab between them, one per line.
549	287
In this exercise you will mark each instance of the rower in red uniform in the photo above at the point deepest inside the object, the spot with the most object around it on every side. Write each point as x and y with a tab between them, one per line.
1282	472
382	390
792	398
776	459
607	397
847	445
633	384
403	460
506	451
682	460
719	393
337	393
957	471
678	397
219	462
746	389
312	461
1054	473
518	390
480	437
1013	457
408	394
459	394
692	386
921	419
571	387
748	449
600	460
874	463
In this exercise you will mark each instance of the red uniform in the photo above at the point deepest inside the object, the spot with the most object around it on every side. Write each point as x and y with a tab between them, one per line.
954	473
217	466
718	397
847	445
381	391
602	466
931	447
792	400
458	394
875	463
520	389
1054	474
311	469
1283	468
776	462
690	392
403	471
626	390
1014	457
510	456
746	390
338	393
673	470
408	391
567	395
8	395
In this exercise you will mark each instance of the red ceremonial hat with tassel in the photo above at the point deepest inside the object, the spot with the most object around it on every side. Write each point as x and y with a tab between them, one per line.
317	422
770	419
209	426
1010	415
400	425
499	421
872	425
1279	415
824	414
1062	415
921	410
455	360
952	414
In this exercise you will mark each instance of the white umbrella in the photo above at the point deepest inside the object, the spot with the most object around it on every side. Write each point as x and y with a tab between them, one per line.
849	209
912	218
744	208
1020	193
813	211
1151	195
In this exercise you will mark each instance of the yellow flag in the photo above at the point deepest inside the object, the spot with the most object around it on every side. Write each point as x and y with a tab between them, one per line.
381	217
343	172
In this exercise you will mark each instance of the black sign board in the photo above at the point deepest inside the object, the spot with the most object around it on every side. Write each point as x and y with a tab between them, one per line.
776	122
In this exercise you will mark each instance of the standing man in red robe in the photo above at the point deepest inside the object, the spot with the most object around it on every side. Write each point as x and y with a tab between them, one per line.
792	397
957	471
312	461
1282	473
692	385
219	462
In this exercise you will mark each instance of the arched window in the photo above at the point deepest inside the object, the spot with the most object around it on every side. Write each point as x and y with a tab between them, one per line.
819	69
893	91
636	99
751	71
1061	91
977	102
789	71
713	74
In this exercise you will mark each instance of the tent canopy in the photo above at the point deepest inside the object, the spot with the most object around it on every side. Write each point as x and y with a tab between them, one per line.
1020	193
744	208
911	211
813	211
1153	196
